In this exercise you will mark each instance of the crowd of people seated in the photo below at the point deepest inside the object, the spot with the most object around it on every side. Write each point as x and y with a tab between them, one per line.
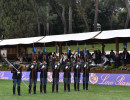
95	58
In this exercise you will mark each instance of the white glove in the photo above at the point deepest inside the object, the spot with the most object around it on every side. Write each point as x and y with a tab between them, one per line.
66	67
40	63
42	67
85	66
77	66
32	66
18	72
56	66
79	54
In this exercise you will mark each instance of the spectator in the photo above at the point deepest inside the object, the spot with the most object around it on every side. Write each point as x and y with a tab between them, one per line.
112	55
117	61
98	57
125	57
105	61
94	57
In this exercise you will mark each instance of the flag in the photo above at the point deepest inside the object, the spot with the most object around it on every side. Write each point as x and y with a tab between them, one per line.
85	51
44	50
67	51
56	49
34	50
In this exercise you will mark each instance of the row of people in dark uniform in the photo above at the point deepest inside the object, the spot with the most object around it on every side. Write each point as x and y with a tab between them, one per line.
43	69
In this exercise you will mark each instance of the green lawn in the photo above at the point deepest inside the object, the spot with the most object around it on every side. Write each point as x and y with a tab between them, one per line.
95	92
108	47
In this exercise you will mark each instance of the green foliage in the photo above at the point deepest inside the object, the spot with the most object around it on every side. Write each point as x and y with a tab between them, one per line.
128	69
98	68
20	18
93	68
120	68
17	18
3	66
110	67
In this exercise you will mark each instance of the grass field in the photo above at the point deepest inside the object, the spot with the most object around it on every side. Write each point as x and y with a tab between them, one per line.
108	47
95	92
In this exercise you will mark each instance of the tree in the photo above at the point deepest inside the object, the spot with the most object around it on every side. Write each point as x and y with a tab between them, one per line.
57	6
70	15
17	18
96	15
78	4
127	7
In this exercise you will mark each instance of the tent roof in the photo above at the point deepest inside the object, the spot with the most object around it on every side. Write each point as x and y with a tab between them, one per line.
16	41
114	34
80	37
69	37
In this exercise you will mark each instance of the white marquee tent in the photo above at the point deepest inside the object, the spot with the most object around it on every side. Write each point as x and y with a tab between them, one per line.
17	41
68	37
114	34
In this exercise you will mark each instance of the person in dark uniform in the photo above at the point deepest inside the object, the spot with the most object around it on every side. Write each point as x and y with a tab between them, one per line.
17	75
86	70
67	75
33	76
125	57
43	76
77	70
55	76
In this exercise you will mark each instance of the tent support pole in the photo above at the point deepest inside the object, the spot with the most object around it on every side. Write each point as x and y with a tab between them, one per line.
60	49
103	47
117	46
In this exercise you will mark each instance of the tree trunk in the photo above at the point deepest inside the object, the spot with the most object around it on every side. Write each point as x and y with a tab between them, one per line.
127	22
70	17
47	24
96	15
44	27
57	7
83	15
64	20
111	21
127	7
38	24
37	16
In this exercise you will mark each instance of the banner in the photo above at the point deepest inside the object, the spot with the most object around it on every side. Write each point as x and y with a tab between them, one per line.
94	78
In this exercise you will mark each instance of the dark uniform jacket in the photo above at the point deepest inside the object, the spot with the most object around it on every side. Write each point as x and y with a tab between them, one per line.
75	70
125	56
87	70
33	71
67	72
44	69
55	71
14	71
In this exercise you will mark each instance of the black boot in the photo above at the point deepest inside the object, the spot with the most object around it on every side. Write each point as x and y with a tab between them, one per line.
78	87
19	91
75	86
13	90
52	88
83	86
86	86
40	88
29	89
64	87
44	88
57	88
68	87
34	89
